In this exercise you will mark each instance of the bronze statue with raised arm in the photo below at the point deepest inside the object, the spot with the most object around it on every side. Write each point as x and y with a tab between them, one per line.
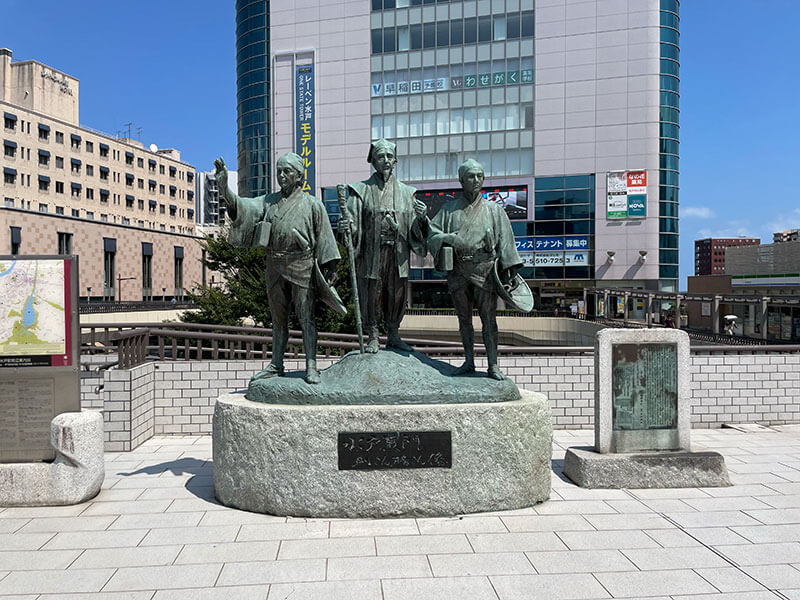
295	231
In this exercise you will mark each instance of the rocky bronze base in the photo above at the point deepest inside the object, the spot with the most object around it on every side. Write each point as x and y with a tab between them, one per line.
662	469
382	460
386	377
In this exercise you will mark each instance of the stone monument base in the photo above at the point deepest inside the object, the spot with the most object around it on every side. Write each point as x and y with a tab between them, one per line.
74	476
661	469
285	459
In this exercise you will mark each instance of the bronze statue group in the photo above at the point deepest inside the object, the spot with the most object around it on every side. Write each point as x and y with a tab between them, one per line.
470	238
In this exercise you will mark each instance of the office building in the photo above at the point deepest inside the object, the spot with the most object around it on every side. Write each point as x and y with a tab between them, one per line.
709	253
126	210
571	106
787	235
210	206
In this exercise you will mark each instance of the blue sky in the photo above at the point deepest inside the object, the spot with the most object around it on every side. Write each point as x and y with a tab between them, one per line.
168	67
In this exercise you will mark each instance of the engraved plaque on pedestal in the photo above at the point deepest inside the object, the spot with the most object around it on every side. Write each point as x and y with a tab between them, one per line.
641	390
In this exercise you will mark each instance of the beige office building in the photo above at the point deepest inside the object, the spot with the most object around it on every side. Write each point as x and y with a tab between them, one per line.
68	188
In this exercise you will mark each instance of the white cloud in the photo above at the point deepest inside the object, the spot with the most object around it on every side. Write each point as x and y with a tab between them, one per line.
698	212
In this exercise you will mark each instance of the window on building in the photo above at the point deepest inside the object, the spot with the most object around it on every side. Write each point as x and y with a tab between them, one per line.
104	173
147	271
89	170
140	204
44	158
129	158
44	183
42	208
104	218
178	271
89	193
89	147
189	176
161	209
8	202
109	266
59	210
75	190
59	137
90	215
75	166
9	175
75	141
9	149
140	162
103	150
140	184
59	162
64	243
76	212
161	169
16	240
161	188
10	121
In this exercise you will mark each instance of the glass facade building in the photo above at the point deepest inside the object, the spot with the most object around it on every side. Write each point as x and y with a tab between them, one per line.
571	107
253	96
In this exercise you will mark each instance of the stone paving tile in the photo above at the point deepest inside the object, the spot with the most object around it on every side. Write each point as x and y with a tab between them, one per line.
515	542
195	504
328	547
239	592
283	531
755	489
170	577
629	506
56	524
547	587
27	560
228	552
118	495
487	563
668	505
157	520
55	582
98	558
382	567
636	521
671	538
24	541
448	588
729	579
574	507
422	544
728	518
275	571
580	561
176	493
190	535
358	528
762	554
734	596
728	503
95	539
654	583
574	492
763	534
461	525
668	493
143	595
657	559
11	525
776	516
42	511
327	590
126	508
771	576
781	501
606	540
236	517
714	536
791	594
548	523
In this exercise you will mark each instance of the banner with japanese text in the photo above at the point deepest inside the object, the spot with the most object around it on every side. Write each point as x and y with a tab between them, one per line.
304	118
627	195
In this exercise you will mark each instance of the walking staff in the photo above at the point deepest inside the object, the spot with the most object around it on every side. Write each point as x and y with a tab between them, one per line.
341	191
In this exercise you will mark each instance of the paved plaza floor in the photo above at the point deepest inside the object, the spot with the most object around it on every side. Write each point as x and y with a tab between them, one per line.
156	533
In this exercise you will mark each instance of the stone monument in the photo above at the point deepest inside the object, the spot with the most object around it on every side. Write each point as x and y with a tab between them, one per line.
643	416
383	432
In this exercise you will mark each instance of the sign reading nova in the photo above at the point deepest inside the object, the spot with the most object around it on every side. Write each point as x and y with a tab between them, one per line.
627	195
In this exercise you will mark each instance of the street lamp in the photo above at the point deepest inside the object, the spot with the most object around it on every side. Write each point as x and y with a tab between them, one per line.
88	293
120	279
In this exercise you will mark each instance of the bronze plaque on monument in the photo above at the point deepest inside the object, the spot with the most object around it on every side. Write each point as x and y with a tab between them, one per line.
39	352
645	386
395	450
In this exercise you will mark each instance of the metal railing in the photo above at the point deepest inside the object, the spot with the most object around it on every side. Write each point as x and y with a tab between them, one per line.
135	343
127	306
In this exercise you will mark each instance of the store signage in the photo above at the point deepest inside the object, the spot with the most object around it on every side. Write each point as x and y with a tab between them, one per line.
627	195
453	83
304	134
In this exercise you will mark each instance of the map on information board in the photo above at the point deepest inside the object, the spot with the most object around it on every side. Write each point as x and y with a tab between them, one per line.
33	321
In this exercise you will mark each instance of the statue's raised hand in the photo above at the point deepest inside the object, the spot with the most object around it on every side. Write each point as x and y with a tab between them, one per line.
221	175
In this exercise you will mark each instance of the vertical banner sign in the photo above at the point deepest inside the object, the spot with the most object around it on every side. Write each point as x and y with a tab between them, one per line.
627	194
304	102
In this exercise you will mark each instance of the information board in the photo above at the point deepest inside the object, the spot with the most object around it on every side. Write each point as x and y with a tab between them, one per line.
645	386
39	352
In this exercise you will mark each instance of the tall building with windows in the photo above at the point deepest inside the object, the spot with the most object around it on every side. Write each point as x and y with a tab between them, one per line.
570	105
126	210
253	96
709	254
